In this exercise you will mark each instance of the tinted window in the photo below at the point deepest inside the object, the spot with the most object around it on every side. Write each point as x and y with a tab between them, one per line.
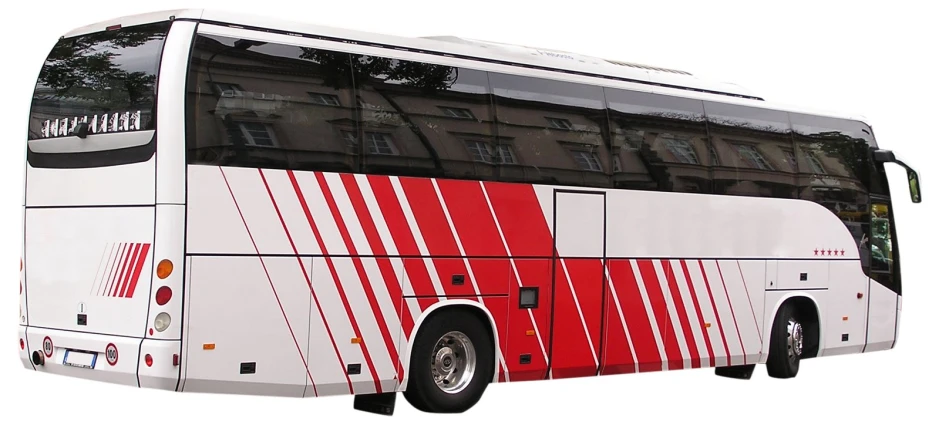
423	119
555	131
834	170
270	105
754	145
107	79
659	142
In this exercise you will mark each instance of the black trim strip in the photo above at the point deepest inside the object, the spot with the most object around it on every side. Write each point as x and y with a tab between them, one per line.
92	159
810	289
90	206
449	297
466	57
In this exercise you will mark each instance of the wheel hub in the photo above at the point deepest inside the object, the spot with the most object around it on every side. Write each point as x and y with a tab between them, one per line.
453	362
794	330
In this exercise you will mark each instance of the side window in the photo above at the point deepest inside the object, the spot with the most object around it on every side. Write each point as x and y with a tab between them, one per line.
834	171
659	142
269	105
881	240
423	119
556	131
756	151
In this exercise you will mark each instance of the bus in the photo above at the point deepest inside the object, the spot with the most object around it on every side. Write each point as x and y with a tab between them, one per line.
232	204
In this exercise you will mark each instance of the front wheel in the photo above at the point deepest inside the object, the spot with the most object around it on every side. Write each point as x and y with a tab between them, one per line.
452	363
786	343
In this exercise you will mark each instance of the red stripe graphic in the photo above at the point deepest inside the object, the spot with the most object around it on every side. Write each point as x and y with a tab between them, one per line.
717	315
697	309
389	277
141	259
682	315
306	276
732	314
123	266
640	325
363	278
131	261
617	349
332	267
660	309
416	271
109	275
273	289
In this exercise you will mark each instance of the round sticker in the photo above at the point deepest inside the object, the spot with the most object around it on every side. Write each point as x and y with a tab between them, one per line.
47	347
110	354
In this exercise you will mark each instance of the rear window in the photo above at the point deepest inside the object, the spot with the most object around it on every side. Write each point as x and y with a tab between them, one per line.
105	79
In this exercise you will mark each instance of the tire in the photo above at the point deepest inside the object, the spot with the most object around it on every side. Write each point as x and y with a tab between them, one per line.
786	341
452	342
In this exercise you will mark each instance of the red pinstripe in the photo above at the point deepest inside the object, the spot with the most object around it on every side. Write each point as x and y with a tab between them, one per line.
640	325
404	241
306	276
697	309
682	315
363	279
660	309
121	273
732	314
144	251
112	269
332	268
271	282
131	261
717	315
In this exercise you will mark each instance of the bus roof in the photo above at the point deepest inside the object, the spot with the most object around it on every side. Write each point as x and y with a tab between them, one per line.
671	81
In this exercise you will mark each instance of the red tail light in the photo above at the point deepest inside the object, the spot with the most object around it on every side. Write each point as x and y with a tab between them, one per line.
22	344
163	295
149	360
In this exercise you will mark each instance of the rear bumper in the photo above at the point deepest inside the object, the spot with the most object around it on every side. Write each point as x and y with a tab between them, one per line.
116	359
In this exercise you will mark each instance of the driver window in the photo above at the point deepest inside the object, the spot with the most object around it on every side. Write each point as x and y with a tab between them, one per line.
881	241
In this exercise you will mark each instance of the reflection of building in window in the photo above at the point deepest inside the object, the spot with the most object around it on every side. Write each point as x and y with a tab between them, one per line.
230	88
682	150
585	156
483	151
560	123
791	159
457	112
324	99
375	143
753	156
816	165
712	154
257	134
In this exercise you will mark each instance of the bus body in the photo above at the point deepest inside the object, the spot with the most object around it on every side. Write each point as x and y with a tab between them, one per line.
200	214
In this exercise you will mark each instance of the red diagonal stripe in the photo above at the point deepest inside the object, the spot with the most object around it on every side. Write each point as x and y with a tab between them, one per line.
697	309
332	268
145	249
640	325
363	279
128	251
682	315
131	261
657	300
109	273
273	289
717	314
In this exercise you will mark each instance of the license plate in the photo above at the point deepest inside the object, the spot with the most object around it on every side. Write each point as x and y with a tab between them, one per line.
76	358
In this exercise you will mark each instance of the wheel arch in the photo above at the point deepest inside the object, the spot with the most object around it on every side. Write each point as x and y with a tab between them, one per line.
802	298
473	306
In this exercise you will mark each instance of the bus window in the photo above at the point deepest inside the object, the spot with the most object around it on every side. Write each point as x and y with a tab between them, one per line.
881	240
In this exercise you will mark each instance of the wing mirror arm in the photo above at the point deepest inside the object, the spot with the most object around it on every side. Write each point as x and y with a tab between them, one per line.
887	156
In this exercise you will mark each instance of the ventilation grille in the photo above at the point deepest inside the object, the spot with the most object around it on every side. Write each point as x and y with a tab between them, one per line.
647	67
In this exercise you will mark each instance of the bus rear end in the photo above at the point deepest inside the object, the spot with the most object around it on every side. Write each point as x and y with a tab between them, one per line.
101	272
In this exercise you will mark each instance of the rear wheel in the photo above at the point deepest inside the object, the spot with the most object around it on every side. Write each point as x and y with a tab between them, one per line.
451	363
786	343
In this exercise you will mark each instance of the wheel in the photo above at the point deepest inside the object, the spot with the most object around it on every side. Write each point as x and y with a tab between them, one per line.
786	343
452	363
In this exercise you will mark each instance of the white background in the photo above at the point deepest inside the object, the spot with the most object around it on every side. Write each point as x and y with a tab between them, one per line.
877	59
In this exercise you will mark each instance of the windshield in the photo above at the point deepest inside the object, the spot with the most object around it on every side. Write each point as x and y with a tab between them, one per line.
105	79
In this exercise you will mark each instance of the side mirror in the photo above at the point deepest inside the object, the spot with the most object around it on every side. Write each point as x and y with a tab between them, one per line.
887	156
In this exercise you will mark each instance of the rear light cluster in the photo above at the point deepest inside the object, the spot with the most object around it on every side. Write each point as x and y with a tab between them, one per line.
163	296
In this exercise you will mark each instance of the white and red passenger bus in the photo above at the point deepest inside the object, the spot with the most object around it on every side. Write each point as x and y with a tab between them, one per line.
230	204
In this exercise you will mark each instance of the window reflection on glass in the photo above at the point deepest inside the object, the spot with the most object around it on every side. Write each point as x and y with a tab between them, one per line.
881	241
